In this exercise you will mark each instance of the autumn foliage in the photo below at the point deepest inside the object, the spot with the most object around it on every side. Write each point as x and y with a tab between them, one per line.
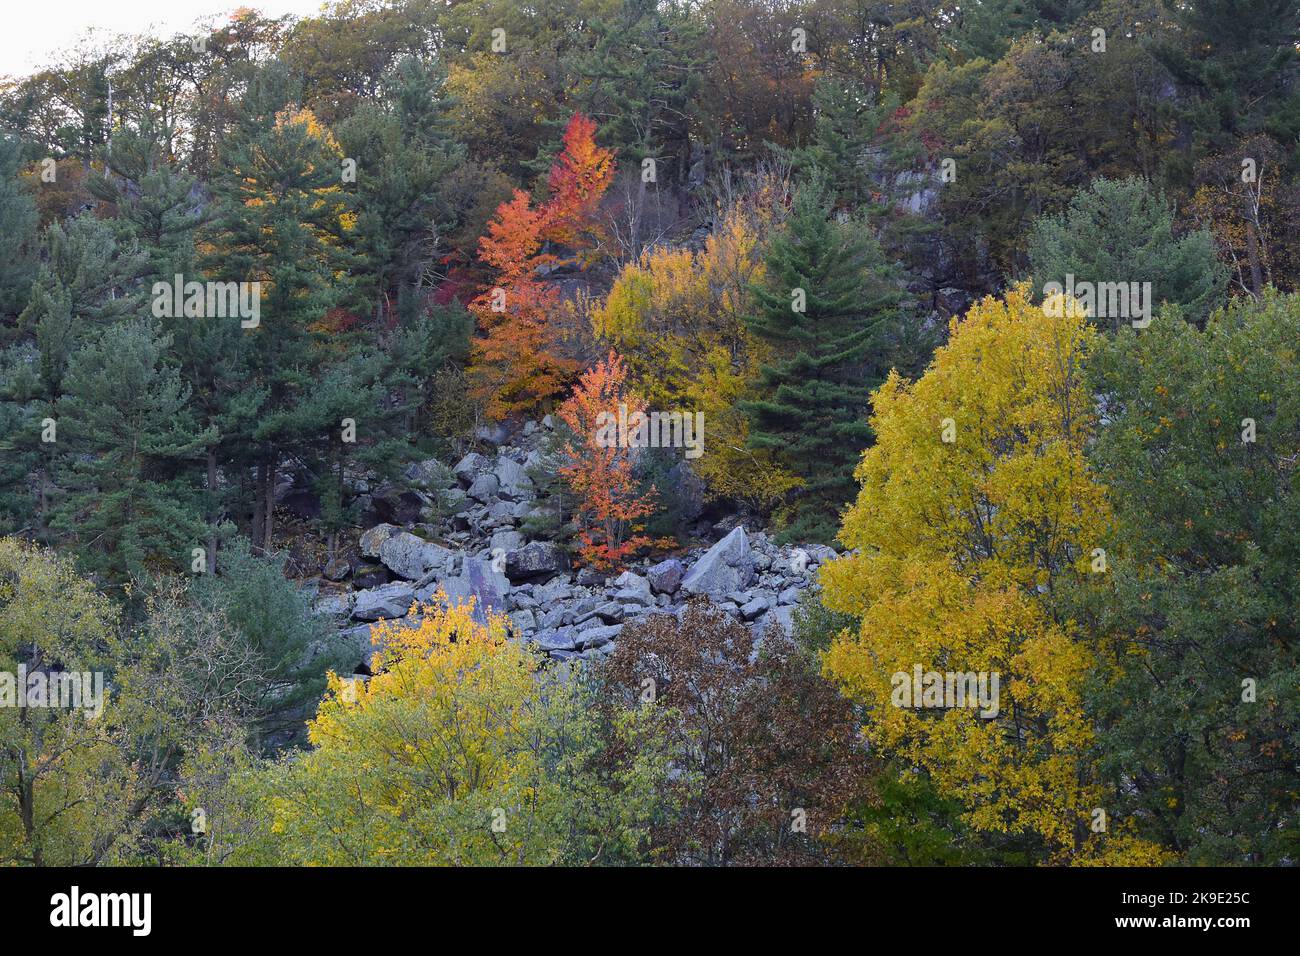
517	361
612	510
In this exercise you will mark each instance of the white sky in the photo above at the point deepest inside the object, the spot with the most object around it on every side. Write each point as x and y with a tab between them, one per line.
36	31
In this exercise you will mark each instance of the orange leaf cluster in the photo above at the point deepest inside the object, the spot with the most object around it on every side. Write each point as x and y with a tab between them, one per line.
611	510
516	363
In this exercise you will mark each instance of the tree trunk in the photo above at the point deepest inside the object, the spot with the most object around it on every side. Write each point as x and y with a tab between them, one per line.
268	526
255	530
1252	253
213	513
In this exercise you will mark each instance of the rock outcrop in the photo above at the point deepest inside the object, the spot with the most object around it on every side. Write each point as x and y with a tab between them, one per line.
478	539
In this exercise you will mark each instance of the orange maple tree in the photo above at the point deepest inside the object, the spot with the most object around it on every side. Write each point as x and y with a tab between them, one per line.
611	510
516	363
578	180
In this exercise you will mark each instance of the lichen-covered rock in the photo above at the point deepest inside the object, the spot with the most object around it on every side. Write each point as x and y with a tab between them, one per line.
411	557
372	540
534	560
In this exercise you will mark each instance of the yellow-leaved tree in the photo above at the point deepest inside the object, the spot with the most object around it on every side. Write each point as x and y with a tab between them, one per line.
458	751
433	761
677	318
976	502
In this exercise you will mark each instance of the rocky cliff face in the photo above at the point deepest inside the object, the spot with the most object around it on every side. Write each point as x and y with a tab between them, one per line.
470	531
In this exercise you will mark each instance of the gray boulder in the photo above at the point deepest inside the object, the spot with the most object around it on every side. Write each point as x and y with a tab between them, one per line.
666	576
513	480
430	473
597	636
820	553
534	560
468	468
611	612
484	488
371	541
554	640
727	566
552	592
505	542
633	587
781	617
411	557
333	605
391	600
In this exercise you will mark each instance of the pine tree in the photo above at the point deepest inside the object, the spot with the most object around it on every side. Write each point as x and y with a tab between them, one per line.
848	117
18	226
1121	231
133	496
404	153
158	204
281	219
825	306
86	281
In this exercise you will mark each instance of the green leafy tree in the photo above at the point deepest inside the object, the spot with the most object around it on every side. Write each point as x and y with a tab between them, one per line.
65	786
1199	733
